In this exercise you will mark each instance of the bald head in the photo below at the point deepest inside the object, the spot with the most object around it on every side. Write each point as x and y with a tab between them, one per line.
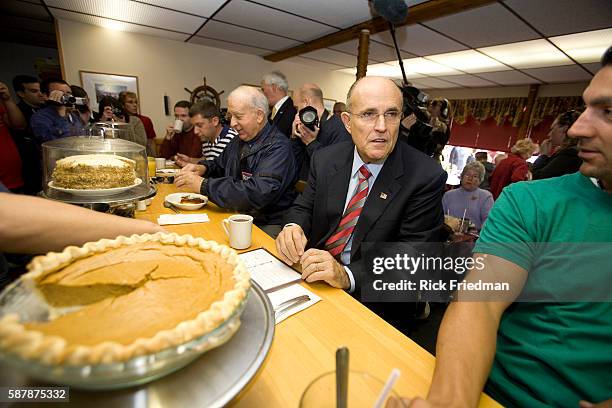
309	95
368	83
252	97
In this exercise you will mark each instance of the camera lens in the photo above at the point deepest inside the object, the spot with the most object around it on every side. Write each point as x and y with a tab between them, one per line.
309	117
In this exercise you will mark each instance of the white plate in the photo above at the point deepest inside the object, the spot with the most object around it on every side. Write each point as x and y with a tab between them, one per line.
167	172
175	199
99	192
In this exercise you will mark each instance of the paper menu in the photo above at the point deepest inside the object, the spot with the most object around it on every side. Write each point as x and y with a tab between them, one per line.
267	270
174	219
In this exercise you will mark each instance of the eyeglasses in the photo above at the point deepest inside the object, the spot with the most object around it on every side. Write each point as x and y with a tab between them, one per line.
371	117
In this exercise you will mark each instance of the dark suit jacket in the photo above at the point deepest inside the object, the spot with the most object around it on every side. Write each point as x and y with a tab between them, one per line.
284	117
412	211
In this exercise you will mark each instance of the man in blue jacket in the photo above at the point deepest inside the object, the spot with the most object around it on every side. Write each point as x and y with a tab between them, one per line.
256	172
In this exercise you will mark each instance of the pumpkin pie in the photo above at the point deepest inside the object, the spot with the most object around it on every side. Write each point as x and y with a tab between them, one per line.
118	299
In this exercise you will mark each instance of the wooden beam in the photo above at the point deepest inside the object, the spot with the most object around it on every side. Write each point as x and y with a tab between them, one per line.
416	14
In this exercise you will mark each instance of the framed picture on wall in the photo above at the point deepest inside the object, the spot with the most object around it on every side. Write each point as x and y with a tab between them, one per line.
329	104
98	85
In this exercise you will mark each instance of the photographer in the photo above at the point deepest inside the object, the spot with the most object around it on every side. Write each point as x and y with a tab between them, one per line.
425	128
58	119
313	127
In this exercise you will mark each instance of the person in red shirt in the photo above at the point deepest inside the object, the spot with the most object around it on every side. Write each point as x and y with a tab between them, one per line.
186	141
513	168
129	100
10	161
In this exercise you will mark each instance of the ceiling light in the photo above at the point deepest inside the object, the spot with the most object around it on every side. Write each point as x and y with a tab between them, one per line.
469	61
424	67
528	54
112	25
585	47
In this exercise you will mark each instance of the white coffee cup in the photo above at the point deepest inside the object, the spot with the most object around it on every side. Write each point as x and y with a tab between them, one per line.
178	126
239	229
160	163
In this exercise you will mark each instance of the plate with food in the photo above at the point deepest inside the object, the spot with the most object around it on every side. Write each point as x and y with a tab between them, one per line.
187	201
95	192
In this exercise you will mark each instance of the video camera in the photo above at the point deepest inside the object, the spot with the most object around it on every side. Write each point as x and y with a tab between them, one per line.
69	100
309	117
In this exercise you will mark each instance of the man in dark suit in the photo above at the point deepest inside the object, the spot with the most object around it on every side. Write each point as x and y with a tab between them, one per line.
330	129
275	86
375	190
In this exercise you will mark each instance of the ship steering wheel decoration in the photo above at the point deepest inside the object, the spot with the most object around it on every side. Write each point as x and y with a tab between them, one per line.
205	93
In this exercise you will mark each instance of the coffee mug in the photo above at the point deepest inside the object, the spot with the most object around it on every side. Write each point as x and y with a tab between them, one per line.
178	126
160	163
239	229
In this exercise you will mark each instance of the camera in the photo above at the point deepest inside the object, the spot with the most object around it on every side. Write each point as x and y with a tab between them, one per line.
421	135
309	117
69	100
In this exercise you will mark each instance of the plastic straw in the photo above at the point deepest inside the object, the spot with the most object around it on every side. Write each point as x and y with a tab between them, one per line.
395	373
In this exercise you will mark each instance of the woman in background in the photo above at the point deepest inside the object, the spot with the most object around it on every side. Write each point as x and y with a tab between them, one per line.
513	168
469	199
111	110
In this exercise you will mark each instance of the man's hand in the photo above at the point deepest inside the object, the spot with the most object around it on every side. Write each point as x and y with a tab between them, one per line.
290	244
409	120
306	134
56	96
169	131
189	180
183	160
546	147
393	402
320	265
198	169
5	94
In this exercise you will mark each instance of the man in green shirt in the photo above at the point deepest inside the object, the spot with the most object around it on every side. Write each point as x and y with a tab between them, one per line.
554	352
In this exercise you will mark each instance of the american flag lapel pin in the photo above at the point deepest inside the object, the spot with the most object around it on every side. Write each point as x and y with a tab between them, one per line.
383	196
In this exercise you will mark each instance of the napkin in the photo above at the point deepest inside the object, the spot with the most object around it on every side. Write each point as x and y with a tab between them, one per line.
291	292
173	219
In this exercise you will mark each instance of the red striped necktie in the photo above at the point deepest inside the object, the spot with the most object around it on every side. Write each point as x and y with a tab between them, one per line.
336	243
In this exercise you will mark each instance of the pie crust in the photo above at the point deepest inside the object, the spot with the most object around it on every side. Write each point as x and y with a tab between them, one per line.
25	340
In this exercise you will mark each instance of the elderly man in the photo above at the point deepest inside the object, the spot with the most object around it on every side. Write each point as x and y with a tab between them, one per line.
275	86
206	120
58	119
307	141
371	190
554	351
256	172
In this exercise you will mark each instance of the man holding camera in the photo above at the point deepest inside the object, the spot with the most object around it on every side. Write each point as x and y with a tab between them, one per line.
57	119
314	127
180	136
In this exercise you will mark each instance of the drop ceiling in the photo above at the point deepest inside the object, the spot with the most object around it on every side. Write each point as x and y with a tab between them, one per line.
504	43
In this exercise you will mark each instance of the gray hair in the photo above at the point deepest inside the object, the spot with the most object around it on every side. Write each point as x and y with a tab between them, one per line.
477	167
276	78
254	97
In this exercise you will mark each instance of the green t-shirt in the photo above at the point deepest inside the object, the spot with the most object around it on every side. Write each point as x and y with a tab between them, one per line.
553	353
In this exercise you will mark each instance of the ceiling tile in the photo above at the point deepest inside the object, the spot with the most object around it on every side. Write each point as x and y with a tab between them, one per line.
433	83
200	8
528	54
585	47
496	25
20	8
132	12
467	80
259	17
377	52
557	17
224	45
245	36
568	73
594	67
314	63
331	56
508	78
470	61
426	67
115	25
419	40
337	13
